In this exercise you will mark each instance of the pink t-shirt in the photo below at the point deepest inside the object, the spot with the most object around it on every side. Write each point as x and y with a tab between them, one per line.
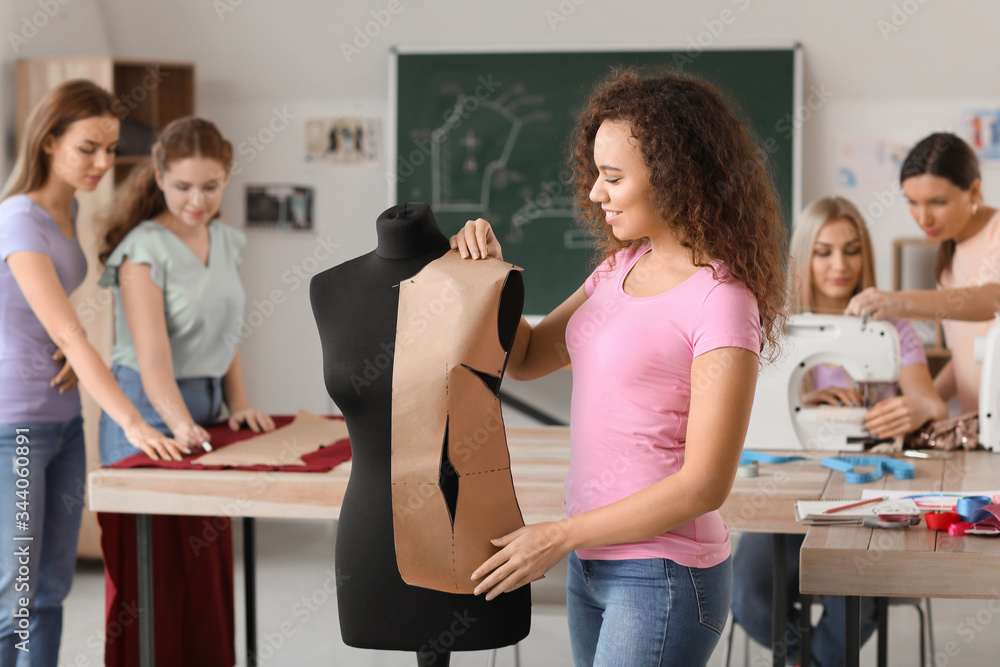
975	263
911	351
632	392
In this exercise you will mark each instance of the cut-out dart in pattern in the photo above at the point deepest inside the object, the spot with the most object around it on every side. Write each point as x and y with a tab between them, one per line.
451	485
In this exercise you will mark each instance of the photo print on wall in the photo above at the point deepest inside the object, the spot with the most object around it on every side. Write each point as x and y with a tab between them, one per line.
280	207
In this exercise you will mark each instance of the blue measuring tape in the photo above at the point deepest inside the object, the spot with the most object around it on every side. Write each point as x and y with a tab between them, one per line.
969	506
845	464
749	456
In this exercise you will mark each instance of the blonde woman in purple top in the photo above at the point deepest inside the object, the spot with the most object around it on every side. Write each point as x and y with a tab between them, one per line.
68	145
832	260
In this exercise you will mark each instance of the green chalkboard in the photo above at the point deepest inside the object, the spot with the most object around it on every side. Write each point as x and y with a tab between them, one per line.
487	135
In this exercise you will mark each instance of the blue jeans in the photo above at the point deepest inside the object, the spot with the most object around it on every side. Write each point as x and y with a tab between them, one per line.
203	397
753	568
645	612
39	570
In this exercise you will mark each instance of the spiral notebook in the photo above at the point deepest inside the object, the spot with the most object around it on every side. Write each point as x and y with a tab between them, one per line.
807	510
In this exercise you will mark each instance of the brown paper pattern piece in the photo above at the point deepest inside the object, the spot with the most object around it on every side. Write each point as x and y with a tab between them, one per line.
452	489
281	447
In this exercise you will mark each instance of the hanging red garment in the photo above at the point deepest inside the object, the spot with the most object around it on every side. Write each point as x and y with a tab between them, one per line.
193	615
194	622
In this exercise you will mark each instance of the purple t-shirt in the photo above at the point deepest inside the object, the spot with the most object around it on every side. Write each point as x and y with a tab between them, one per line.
26	364
911	351
632	393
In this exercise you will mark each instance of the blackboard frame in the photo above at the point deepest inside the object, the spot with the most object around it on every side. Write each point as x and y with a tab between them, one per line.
792	199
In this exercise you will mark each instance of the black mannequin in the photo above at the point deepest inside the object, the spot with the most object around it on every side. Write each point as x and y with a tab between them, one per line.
355	306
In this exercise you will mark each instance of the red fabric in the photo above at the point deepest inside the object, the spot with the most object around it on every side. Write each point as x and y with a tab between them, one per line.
986	518
959	528
193	617
323	459
941	520
192	570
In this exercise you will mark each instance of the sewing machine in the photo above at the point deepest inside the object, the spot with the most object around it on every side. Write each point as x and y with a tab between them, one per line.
868	351
987	351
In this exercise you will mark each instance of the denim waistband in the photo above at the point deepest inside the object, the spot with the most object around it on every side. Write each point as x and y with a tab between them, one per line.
124	373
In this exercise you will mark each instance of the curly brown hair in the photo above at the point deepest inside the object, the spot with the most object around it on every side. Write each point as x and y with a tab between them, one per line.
709	178
139	197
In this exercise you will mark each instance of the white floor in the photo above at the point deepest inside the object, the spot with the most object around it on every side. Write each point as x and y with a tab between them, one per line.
297	620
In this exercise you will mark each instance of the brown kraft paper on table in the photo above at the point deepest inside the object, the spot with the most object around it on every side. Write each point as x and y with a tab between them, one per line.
444	413
281	447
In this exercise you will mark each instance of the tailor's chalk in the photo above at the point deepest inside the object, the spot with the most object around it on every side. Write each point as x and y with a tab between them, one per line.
207	447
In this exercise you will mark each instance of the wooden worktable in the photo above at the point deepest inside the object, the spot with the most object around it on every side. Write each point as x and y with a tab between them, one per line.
766	504
915	562
539	460
912	562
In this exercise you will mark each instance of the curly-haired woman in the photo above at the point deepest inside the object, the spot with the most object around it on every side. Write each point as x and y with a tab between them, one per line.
665	338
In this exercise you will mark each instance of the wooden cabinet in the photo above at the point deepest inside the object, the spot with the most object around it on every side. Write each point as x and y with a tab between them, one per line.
148	95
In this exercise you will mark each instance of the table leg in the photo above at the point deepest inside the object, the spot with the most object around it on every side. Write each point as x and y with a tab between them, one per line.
882	611
805	630
250	587
852	632
779	602
144	553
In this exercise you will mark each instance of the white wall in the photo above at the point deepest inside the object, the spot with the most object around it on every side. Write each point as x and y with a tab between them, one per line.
42	29
287	56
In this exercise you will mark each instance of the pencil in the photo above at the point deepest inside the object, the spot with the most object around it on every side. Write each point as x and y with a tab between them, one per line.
857	504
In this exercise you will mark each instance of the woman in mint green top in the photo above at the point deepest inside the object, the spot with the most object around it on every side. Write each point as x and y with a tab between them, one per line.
202	339
178	299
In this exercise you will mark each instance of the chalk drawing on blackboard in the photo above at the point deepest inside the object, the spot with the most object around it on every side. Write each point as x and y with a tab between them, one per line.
468	166
578	239
551	202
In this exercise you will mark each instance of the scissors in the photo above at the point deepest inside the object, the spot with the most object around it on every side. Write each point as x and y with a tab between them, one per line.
924	454
876	521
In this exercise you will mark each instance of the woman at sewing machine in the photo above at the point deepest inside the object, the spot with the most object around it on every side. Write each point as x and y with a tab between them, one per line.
941	181
832	261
